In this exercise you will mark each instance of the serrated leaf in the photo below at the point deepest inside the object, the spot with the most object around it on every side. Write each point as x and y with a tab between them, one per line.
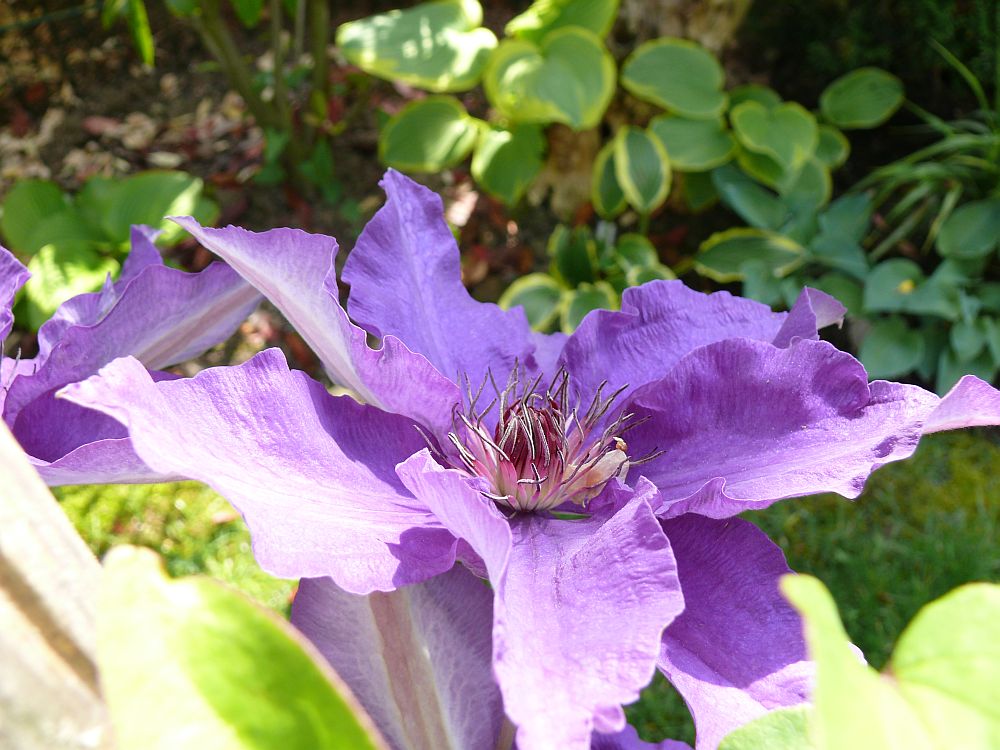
228	675
891	349
605	192
832	148
722	256
439	46
864	98
972	230
568	78
890	284
28	204
59	272
545	16
678	75
586	297
539	295
694	145
757	206
507	161
780	729
642	168
428	135
248	11
787	134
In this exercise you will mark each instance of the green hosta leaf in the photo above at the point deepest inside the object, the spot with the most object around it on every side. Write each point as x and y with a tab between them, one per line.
782	729
890	284
439	46
150	197
968	339
759	283
811	188
248	11
754	92
28	204
972	230
722	255
635	251
891	349
832	148
694	145
677	75
574	254
637	276
939	687
757	206
849	216
699	190
642	168
605	192
586	297
228	675
428	135
545	16
847	291
540	295
568	78
788	134
835	250
59	272
763	169
863	98
506	161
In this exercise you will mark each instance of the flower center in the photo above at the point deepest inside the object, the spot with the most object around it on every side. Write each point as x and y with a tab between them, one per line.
541	453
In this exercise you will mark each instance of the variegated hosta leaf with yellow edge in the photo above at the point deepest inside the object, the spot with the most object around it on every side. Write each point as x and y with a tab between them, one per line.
545	16
677	75
428	135
642	168
605	192
722	256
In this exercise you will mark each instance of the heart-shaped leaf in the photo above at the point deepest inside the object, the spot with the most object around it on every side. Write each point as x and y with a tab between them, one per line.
568	78
839	251
605	192
507	161
968	339
848	216
439	46
832	148
788	134
810	189
722	256
677	75
635	251
694	145
972	230
642	168
863	98
428	135
890	284
891	349
539	295
545	16
763	169
227	673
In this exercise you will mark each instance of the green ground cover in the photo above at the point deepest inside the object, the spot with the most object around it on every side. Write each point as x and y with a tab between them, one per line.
921	528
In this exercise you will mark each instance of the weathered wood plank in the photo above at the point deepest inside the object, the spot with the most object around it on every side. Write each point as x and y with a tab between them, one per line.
49	693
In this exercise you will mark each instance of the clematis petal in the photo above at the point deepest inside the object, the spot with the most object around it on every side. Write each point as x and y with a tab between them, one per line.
743	424
628	739
970	403
579	606
406	281
160	316
12	277
737	650
418	659
812	311
313	475
661	321
295	271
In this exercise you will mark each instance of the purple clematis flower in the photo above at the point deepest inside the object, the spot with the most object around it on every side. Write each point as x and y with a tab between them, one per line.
158	314
654	425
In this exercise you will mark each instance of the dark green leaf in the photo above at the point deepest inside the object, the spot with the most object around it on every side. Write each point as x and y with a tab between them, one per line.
950	369
849	216
890	284
642	168
605	192
863	98
891	349
699	190
835	250
249	11
972	231
586	297
967	340
574	255
635	251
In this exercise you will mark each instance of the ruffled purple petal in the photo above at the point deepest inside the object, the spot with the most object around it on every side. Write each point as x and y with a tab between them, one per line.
579	606
12	277
737	650
313	475
970	403
659	322
743	424
295	271
406	281
418	659
628	739
812	311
